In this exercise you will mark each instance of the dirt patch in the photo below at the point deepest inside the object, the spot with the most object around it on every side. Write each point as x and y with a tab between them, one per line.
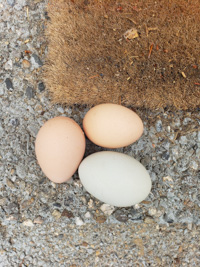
138	53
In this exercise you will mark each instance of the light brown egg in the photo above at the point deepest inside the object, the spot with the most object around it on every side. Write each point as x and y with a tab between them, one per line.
112	126
59	148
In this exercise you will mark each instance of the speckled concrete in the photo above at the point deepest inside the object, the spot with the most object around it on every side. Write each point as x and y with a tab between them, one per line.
44	224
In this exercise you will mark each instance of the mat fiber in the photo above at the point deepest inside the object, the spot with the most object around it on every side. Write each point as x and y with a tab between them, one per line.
136	53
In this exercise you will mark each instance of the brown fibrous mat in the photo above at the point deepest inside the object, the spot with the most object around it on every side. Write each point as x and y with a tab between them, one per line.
136	53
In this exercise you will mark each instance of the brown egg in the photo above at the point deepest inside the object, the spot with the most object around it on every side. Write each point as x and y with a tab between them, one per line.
59	148
112	126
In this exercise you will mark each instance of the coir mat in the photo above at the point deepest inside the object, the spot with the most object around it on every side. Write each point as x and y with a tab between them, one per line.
136	53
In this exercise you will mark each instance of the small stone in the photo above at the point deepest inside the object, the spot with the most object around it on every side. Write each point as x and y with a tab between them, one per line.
11	2
84	244
13	217
60	109
90	204
78	183
67	214
189	226
37	60
100	219
107	209
20	171
38	220
186	121
14	122
149	220
152	211
194	165
165	155
120	216
28	223
168	129
87	215
10	183
58	205
9	84
78	221
167	178
53	184
26	64
137	206
169	218
1	91
41	87
30	92
9	65
56	214
2	201
159	126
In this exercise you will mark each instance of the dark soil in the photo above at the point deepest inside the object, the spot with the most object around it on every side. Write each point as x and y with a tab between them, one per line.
91	61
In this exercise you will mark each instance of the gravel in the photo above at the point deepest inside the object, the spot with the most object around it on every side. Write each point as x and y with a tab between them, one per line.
47	224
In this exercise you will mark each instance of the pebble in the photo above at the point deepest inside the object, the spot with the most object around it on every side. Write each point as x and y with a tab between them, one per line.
56	214
189	226
26	64
60	109
37	60
10	183
152	211
159	126
78	221
30	92
20	171
148	220
100	219
9	65
120	216
90	204
41	86
11	2
107	209
38	220
1	91
14	122
168	129
88	215
9	84
2	201
165	155
186	121
28	223
58	205
67	214
194	165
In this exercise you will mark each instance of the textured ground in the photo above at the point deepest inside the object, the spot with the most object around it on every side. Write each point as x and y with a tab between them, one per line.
44	224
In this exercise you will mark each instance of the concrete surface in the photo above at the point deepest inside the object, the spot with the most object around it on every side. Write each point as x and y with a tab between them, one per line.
44	224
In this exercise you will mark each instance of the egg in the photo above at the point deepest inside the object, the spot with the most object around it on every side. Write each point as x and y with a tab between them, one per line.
59	148
112	126
115	178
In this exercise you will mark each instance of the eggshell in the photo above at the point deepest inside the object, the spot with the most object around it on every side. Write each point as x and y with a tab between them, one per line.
112	126
59	148
115	178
